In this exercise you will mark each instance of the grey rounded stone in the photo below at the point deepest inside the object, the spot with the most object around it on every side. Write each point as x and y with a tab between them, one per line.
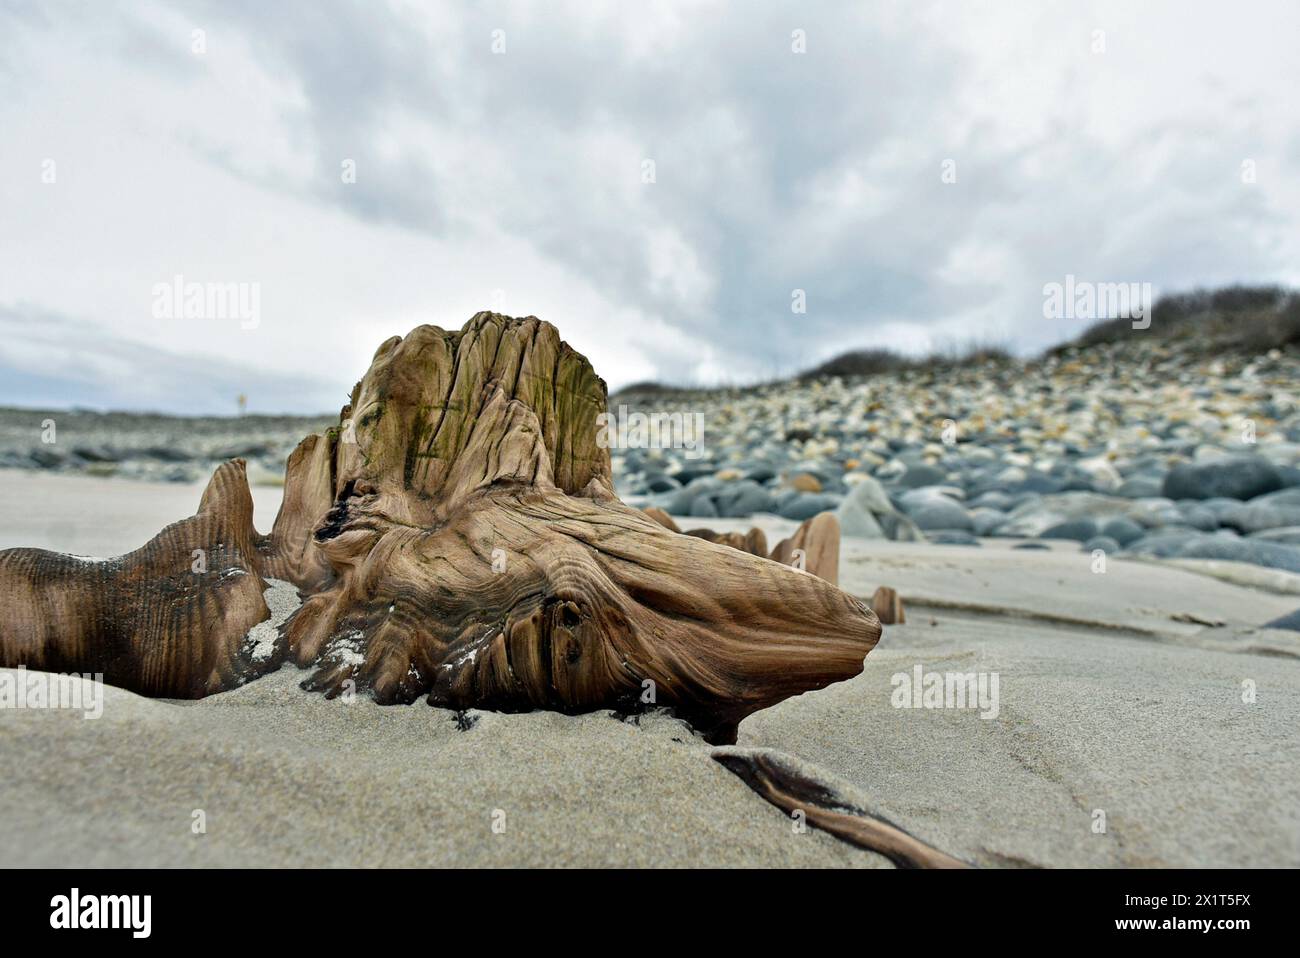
984	522
1289	621
1198	517
1140	487
899	528
1105	543
662	484
952	537
1080	530
920	475
703	508
867	511
1259	516
1236	477
744	499
858	522
1283	497
1037	482
808	504
679	502
104	454
1166	544
914	499
1287	535
1122	529
1273	555
869	495
991	500
165	454
942	515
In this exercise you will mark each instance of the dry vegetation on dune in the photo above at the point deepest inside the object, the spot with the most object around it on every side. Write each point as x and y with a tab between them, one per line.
1234	319
1245	319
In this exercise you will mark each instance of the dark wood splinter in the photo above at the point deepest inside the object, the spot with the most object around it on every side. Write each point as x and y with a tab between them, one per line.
785	788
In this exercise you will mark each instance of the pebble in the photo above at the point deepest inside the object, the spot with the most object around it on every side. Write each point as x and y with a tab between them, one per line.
867	511
703	508
1103	543
805	482
941	514
1257	516
1080	530
922	475
1289	621
1122	530
952	537
1229	477
806	505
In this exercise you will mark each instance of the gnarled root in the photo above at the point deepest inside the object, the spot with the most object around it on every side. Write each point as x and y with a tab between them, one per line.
169	619
456	537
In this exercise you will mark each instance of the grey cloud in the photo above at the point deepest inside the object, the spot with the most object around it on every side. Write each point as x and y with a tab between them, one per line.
733	199
775	171
740	201
51	360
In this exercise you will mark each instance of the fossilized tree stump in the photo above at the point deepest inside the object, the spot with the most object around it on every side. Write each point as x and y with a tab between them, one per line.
456	536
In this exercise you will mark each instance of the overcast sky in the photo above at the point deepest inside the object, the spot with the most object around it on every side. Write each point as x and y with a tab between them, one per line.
508	170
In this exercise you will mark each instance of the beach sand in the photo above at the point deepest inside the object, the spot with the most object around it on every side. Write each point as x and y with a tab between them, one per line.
1115	696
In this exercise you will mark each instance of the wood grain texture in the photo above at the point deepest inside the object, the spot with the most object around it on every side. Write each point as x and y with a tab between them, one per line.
168	619
457	537
888	606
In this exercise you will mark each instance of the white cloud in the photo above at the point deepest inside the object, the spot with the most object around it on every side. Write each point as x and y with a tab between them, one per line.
521	172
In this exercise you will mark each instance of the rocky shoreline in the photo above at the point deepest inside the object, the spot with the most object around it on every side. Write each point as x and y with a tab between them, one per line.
148	446
1133	448
1137	448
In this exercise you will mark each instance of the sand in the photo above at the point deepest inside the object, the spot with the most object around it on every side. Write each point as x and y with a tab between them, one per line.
1114	696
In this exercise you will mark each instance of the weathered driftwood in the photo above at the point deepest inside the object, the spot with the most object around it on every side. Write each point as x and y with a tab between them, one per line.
786	788
167	619
814	548
888	606
456	537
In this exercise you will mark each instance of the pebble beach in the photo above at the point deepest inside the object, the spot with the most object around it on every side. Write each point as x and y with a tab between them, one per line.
1136	448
